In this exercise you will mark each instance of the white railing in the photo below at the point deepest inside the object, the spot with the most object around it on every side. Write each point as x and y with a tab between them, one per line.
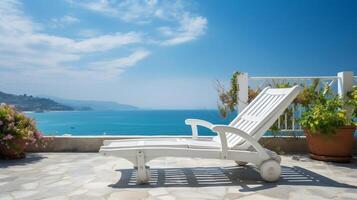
341	83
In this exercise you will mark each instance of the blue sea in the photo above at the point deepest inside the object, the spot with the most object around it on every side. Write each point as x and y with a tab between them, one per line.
128	122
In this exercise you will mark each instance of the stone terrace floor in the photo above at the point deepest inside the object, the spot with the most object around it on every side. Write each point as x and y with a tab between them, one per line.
88	176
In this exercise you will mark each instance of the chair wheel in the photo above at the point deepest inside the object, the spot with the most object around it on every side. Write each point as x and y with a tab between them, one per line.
270	170
241	163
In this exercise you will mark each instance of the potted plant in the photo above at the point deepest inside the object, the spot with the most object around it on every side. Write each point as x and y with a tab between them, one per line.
329	124
16	132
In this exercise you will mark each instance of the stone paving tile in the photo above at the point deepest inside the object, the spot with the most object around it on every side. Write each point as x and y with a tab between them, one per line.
86	176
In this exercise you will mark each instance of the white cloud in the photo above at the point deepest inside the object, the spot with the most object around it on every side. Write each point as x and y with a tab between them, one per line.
35	61
120	64
106	42
12	20
190	28
100	70
38	50
102	6
24	46
24	43
138	11
69	19
64	21
187	26
89	33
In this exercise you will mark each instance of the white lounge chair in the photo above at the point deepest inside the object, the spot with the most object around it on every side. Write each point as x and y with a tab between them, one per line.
237	141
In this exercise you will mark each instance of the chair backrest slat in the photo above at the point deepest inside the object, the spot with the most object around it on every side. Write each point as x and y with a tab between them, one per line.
270	106
236	120
261	113
271	99
260	104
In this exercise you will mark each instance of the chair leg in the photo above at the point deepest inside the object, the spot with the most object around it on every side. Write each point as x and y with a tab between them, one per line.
143	172
273	155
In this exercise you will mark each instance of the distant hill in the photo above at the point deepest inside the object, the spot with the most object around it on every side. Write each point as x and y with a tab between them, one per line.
31	103
93	104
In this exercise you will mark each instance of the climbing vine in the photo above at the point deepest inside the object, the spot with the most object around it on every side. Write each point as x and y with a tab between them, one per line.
228	99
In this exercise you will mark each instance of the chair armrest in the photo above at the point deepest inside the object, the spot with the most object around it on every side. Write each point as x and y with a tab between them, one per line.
222	130
197	122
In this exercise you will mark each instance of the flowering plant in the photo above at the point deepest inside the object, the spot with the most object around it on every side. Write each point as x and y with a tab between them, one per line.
326	112
17	130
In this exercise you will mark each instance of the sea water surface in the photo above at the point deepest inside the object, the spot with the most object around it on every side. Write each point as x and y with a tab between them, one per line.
130	122
126	122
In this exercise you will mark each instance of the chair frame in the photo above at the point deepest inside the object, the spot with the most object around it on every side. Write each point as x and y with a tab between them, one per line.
268	164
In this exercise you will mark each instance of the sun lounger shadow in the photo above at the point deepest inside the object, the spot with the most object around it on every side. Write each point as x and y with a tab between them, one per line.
247	178
297	176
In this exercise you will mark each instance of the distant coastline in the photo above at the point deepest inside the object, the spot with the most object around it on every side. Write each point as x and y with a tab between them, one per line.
93	105
30	103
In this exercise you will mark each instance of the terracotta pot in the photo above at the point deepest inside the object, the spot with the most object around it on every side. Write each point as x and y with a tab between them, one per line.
333	147
16	150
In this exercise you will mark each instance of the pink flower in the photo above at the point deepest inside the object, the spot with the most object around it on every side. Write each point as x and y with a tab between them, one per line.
39	134
8	137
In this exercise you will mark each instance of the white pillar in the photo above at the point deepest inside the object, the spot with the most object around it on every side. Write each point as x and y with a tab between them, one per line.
243	91
345	83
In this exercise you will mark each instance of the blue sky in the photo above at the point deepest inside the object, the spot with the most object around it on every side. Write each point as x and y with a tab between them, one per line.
168	54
